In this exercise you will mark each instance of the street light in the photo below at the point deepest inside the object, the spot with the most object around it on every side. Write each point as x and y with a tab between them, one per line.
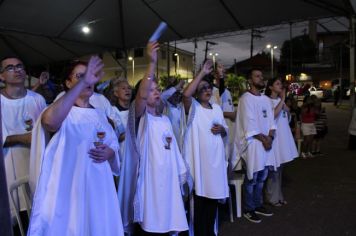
269	46
213	55
133	68
177	62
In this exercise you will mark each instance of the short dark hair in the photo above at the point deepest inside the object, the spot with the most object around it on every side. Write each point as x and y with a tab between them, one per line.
249	73
68	70
8	57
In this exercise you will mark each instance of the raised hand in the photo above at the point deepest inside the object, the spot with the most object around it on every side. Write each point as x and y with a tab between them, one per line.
94	71
152	48
283	94
207	67
44	77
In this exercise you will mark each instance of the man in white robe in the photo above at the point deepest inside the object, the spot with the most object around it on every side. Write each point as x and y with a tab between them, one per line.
254	134
20	110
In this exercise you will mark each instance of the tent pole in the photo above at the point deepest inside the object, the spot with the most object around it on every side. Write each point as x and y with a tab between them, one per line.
352	60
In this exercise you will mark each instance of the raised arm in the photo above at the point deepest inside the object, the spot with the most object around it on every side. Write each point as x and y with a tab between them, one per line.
192	86
144	89
280	105
55	114
42	80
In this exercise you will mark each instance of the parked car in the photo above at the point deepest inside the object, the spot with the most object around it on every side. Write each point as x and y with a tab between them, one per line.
318	92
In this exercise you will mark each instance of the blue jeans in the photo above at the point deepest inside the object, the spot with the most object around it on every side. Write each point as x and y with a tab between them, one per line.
252	196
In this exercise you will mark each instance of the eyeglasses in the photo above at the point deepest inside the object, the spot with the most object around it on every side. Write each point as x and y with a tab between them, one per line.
13	68
205	88
79	76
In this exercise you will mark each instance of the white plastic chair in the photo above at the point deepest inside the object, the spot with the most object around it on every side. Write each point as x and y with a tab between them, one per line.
236	180
25	187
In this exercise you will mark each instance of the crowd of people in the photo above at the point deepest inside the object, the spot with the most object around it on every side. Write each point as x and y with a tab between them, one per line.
170	152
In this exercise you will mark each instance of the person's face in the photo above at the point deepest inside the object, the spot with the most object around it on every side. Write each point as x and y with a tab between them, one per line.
154	95
276	87
123	91
13	71
257	79
176	98
204	91
77	75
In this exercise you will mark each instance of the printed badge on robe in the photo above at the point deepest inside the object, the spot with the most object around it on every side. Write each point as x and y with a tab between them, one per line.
264	112
167	139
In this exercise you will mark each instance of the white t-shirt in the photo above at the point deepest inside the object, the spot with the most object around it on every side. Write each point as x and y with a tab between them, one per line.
14	113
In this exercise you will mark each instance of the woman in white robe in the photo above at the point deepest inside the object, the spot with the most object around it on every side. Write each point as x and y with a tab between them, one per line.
204	151
153	170
122	92
283	149
75	192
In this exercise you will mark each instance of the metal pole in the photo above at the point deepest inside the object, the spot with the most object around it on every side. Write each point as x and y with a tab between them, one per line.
272	62
168	60
290	48
251	44
352	60
133	69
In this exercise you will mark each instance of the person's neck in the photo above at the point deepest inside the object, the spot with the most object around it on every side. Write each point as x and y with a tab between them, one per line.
274	95
255	91
205	104
123	103
81	102
152	110
15	91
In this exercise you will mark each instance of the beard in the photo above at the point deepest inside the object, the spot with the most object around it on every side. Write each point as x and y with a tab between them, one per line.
259	86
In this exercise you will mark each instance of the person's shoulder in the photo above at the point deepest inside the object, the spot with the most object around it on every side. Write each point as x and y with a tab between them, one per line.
34	95
246	95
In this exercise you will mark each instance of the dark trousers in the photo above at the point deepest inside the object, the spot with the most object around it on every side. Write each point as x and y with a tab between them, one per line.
205	210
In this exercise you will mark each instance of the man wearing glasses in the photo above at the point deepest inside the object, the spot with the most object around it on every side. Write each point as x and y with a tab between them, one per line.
20	108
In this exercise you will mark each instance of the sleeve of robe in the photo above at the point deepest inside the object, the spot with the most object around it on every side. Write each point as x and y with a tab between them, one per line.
39	140
248	120
167	93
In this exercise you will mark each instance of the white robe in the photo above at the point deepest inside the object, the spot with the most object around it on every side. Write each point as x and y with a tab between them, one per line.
122	128
74	195
254	116
205	152
161	170
17	157
149	188
228	106
283	148
100	102
174	115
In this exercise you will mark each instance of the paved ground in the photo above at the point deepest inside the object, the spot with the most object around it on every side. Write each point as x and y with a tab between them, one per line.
321	192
